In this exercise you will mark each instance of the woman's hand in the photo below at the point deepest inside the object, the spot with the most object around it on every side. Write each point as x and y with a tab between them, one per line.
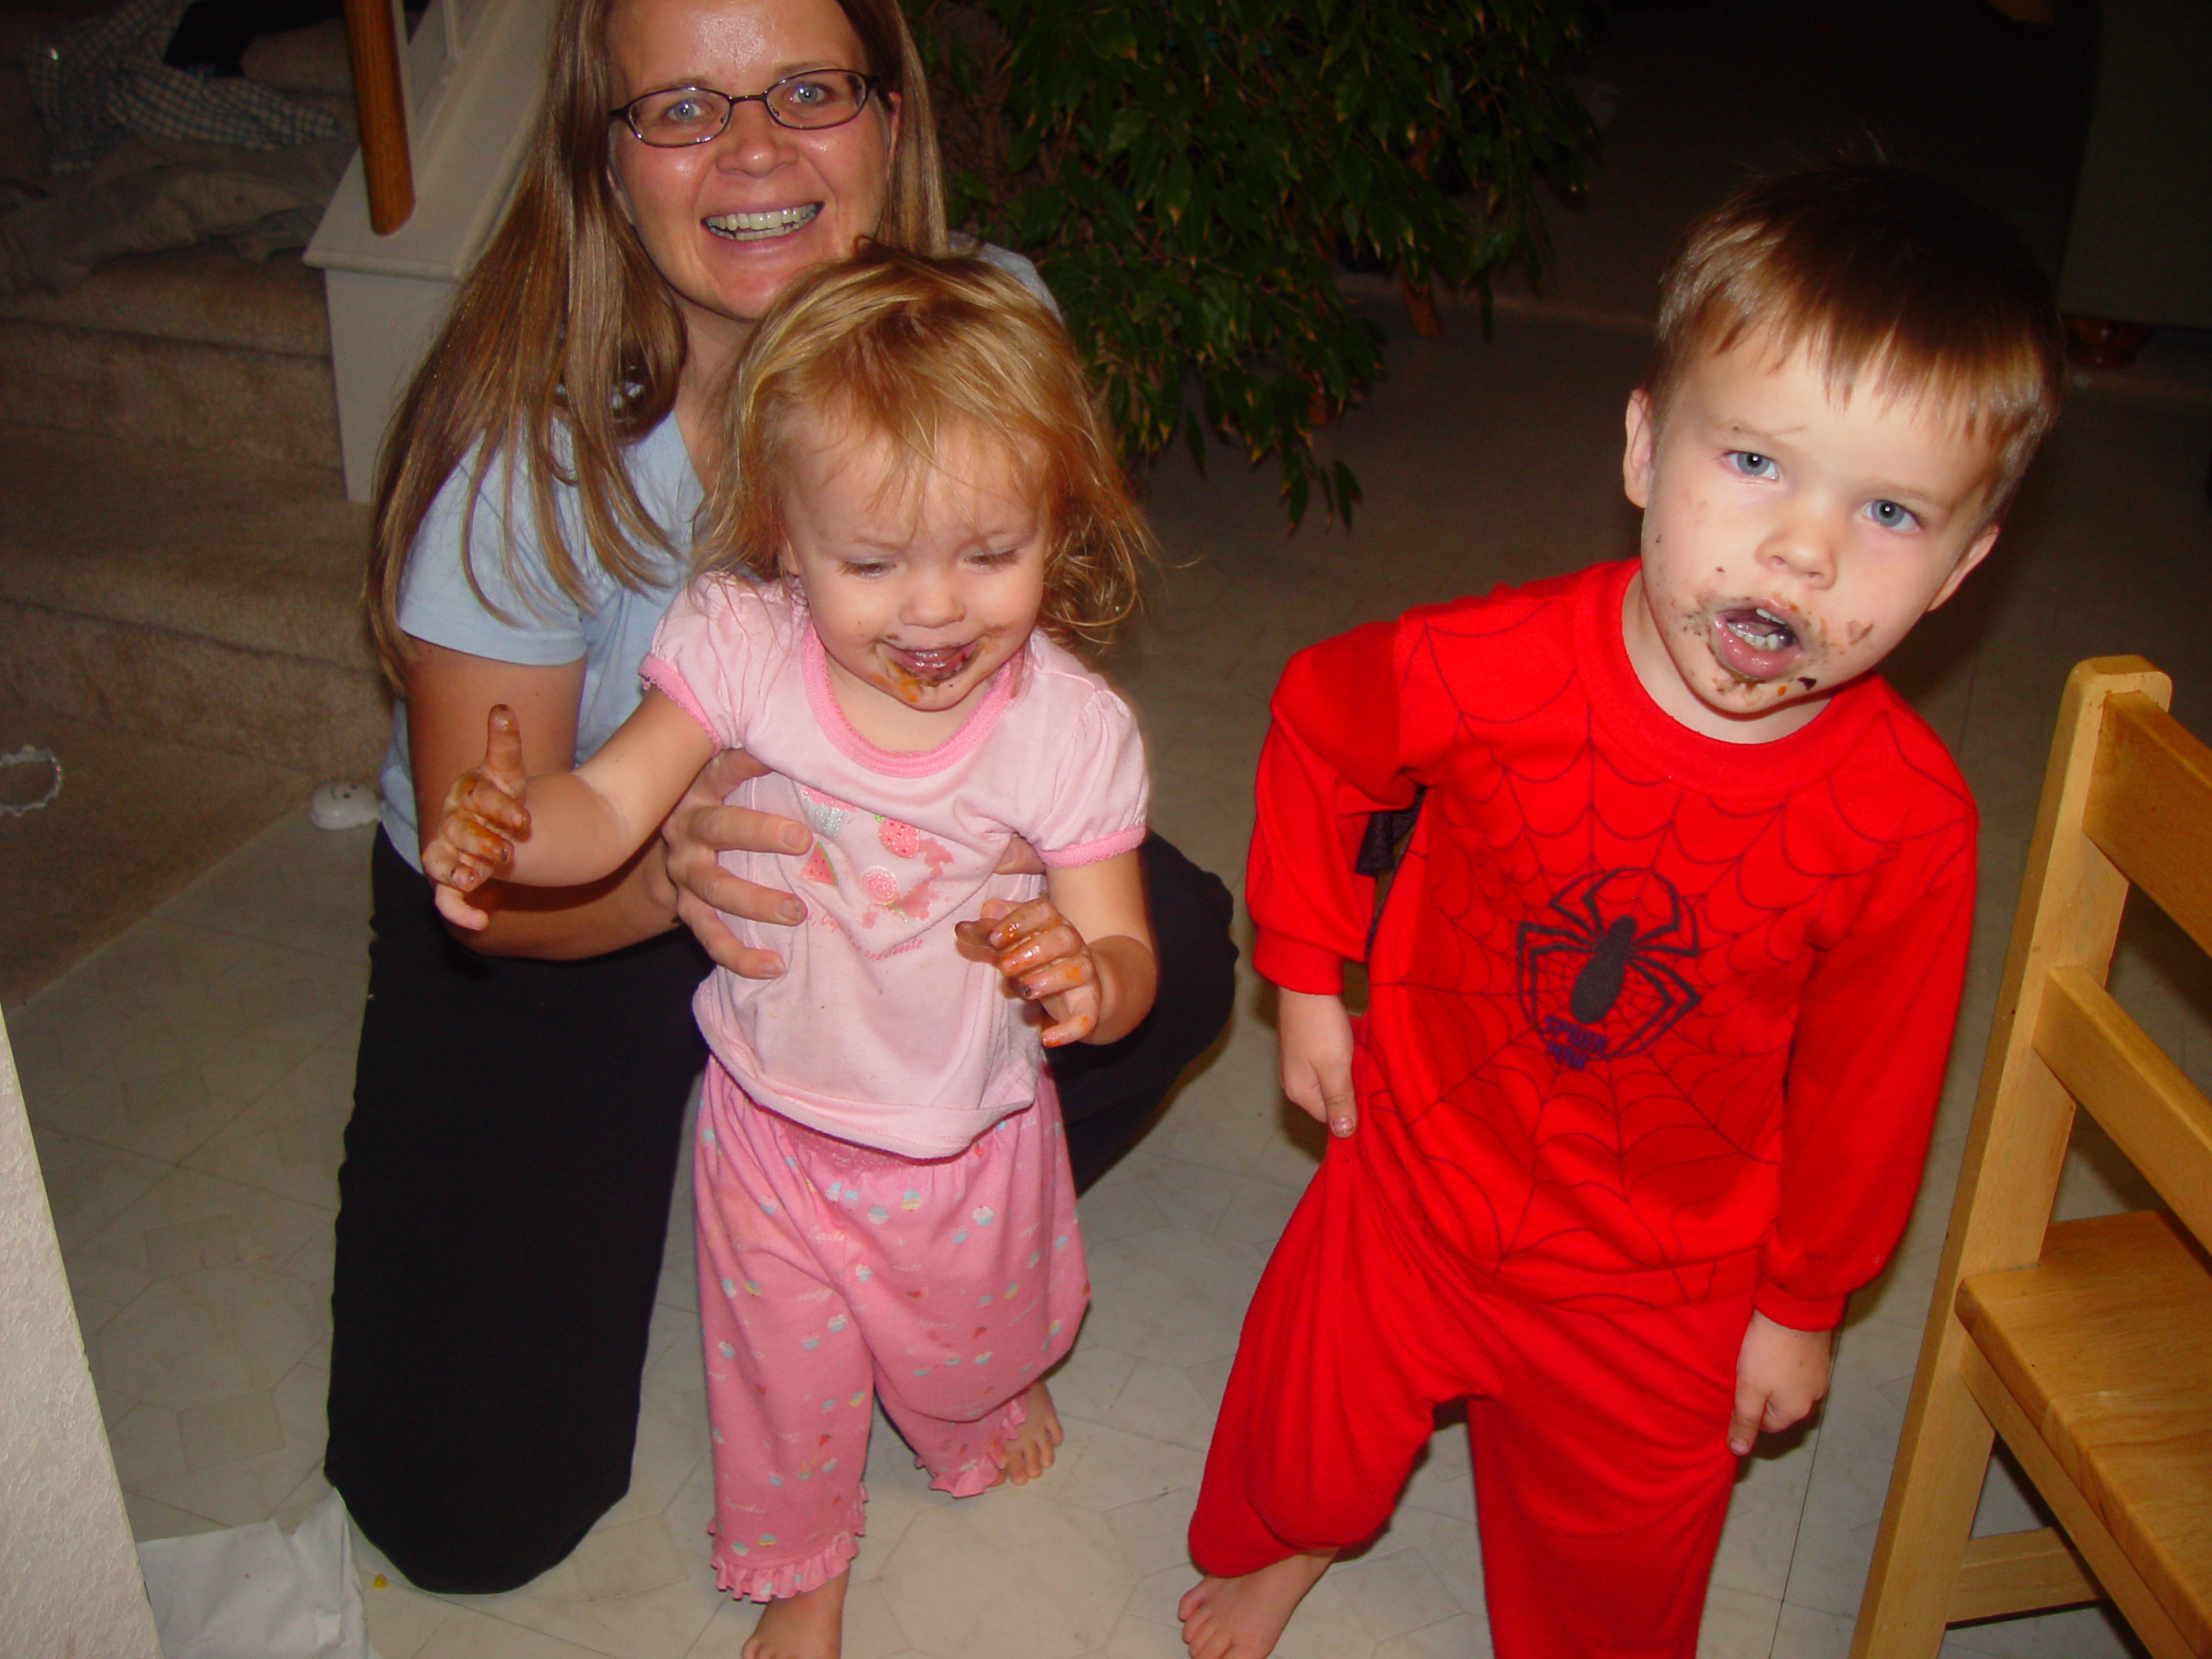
701	891
1044	956
697	833
484	818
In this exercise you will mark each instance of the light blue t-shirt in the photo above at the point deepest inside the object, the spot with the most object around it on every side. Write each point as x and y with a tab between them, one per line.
542	626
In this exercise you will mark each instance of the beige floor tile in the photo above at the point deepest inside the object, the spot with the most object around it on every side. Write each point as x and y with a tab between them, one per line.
1394	1594
401	1618
671	1447
1088	1382
1448	1544
291	1141
1122	1203
151	1519
1172	1295
204	1337
464	1634
637	1589
88	1185
1737	1625
1760	1533
1101	1469
237	1460
1466	1636
1009	1575
1154	1532
1161	1402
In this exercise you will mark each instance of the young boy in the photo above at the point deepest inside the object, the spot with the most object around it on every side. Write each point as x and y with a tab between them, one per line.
1660	1001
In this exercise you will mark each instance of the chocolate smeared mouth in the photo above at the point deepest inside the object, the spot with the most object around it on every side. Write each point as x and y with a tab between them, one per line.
935	665
1759	628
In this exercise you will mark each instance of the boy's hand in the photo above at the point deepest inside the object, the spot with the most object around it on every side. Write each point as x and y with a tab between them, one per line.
1781	1375
484	816
1046	957
1316	1040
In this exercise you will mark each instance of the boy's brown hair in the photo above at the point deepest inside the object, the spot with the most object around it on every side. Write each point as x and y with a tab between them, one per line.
1884	276
917	350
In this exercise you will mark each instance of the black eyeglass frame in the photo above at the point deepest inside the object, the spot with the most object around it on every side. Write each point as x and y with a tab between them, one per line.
872	88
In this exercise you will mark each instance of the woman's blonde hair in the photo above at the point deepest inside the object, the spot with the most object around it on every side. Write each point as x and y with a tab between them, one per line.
924	352
564	345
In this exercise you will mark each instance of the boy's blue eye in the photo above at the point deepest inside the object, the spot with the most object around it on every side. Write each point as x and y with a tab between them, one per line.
1890	515
1752	464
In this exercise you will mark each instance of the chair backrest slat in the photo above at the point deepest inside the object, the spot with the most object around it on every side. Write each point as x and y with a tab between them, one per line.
2150	810
2157	1116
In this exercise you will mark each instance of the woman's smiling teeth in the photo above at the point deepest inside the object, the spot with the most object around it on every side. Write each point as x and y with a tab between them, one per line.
754	227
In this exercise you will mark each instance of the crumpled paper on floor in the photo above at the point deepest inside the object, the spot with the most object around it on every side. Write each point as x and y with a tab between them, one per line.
258	1592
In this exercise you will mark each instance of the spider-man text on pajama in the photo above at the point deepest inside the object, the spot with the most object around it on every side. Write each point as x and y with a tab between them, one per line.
1654	1033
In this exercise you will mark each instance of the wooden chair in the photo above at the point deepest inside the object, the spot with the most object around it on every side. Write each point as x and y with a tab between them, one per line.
2086	1345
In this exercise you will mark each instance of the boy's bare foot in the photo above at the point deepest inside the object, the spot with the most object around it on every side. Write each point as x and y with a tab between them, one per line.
809	1625
1029	1448
1243	1617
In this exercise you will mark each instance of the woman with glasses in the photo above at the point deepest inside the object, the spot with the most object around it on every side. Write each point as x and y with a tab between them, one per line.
518	1100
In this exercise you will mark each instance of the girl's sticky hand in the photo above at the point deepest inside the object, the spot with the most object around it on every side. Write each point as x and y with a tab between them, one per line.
1041	952
484	816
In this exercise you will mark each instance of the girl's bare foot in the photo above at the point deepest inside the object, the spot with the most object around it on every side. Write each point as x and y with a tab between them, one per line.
1243	1617
809	1625
1029	1448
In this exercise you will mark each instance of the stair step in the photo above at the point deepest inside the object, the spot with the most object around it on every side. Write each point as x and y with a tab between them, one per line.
208	296
204	598
200	349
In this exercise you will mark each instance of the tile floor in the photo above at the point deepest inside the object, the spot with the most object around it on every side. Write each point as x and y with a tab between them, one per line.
188	1084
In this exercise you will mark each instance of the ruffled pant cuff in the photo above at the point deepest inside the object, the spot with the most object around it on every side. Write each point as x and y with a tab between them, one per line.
755	1580
972	1478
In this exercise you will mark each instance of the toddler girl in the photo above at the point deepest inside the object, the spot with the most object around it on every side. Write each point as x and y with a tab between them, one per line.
918	511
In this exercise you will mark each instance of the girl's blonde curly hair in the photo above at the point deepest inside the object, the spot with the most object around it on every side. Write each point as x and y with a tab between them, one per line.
919	350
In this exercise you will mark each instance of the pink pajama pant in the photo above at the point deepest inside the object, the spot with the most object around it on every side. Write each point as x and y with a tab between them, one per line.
832	1274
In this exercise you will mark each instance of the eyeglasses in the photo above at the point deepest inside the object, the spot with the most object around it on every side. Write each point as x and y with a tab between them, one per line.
678	116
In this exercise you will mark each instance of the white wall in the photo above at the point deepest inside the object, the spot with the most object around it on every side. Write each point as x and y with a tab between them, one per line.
69	1583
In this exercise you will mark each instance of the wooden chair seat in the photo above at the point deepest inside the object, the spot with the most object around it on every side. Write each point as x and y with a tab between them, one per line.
2104	1352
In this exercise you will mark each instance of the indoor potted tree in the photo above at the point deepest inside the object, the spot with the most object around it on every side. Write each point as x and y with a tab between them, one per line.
1189	173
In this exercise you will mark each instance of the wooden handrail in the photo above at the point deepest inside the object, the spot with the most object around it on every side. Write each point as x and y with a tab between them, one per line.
372	40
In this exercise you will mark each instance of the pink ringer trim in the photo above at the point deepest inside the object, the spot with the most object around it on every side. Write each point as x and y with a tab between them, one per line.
661	674
895	763
1094	852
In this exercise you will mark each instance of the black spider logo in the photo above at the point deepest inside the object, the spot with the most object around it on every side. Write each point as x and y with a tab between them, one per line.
1602	959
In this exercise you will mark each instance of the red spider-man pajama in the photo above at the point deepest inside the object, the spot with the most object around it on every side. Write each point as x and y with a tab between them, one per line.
1655	1029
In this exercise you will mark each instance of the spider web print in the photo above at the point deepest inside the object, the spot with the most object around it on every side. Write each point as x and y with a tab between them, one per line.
1599	969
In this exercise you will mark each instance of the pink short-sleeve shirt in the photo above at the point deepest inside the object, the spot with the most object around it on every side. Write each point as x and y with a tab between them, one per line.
879	1031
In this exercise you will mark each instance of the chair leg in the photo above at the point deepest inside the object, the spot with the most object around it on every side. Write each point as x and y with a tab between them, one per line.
1935	1487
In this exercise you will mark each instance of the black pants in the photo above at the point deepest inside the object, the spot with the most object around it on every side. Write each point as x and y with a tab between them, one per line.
503	1202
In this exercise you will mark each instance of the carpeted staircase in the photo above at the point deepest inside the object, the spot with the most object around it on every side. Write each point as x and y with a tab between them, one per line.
177	557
